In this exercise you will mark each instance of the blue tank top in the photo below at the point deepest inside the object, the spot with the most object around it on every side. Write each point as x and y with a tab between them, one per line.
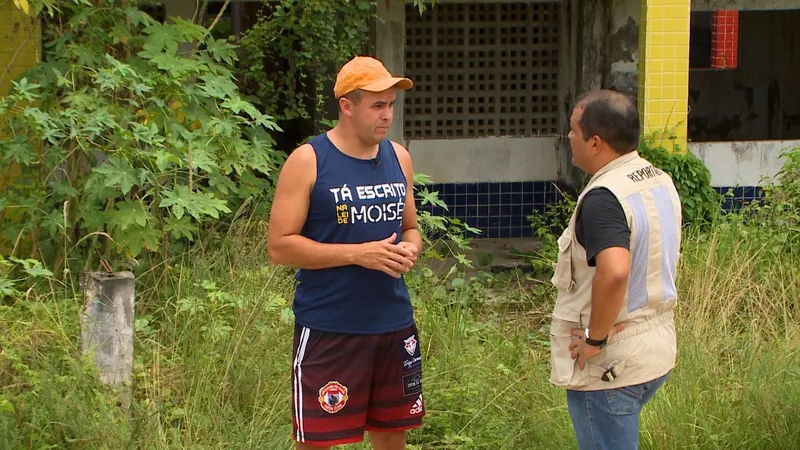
353	201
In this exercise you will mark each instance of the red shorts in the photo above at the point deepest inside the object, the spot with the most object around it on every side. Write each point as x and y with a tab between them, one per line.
344	384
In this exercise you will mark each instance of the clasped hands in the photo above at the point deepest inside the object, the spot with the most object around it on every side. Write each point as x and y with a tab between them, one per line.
388	257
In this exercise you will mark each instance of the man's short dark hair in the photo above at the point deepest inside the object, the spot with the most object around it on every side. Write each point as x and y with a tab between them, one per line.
612	116
353	96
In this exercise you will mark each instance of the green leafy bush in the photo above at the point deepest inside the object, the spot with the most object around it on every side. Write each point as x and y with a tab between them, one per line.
776	217
700	202
547	228
129	137
784	189
442	236
296	48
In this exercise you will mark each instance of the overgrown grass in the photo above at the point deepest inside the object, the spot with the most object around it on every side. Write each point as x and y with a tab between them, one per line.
213	346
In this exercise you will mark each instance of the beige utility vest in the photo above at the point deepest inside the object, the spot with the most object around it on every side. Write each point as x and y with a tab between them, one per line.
647	347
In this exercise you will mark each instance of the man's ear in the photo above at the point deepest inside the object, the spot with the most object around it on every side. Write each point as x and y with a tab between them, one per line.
346	106
596	143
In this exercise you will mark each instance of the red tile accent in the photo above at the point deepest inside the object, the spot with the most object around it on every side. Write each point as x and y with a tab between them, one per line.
725	40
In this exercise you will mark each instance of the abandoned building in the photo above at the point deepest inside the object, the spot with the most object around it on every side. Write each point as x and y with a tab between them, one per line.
496	80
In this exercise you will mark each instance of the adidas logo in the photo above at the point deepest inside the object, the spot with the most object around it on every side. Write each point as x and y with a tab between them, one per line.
417	408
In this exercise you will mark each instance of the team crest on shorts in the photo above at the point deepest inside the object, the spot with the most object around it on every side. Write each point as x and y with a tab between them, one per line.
333	397
411	344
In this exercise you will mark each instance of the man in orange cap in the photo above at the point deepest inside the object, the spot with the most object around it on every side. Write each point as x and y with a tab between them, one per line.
344	215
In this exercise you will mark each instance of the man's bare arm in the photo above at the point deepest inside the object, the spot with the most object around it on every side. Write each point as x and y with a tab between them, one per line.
289	211
286	246
410	226
608	290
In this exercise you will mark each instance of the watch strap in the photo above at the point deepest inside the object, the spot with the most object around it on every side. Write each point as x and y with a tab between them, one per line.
594	342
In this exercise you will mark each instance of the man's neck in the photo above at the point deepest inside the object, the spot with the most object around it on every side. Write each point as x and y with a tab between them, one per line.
609	157
348	143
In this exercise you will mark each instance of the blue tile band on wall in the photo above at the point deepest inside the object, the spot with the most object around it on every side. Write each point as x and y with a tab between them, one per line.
499	210
741	196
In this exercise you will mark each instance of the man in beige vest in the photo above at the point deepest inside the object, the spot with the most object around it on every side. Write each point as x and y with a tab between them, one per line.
613	337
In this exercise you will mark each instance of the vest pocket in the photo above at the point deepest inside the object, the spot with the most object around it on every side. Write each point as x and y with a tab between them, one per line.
562	366
562	278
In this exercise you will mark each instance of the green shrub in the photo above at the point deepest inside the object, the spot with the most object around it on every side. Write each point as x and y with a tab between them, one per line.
700	202
777	214
131	137
547	228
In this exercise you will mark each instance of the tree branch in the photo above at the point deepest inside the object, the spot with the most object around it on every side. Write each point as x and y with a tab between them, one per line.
219	14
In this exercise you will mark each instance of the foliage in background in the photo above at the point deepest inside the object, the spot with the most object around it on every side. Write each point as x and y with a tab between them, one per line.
291	55
547	228
442	236
780	206
127	140
700	202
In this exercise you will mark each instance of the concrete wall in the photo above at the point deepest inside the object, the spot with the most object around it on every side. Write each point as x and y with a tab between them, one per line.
741	163
390	38
494	159
623	46
600	55
761	98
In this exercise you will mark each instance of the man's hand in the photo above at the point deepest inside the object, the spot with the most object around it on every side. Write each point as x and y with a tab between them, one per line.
582	351
386	256
410	247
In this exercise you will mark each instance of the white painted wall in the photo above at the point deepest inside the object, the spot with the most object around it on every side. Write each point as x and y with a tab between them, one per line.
742	163
492	159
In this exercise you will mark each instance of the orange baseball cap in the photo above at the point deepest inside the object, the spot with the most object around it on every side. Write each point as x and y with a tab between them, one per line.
368	74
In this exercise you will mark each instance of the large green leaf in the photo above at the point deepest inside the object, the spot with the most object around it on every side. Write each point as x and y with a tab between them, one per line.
198	204
17	150
119	172
179	228
137	237
129	213
221	51
32	267
161	37
218	86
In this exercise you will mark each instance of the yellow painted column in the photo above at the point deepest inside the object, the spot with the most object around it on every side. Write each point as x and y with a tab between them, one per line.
20	49
20	42
664	67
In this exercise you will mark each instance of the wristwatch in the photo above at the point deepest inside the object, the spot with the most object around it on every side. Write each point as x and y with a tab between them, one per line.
593	342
